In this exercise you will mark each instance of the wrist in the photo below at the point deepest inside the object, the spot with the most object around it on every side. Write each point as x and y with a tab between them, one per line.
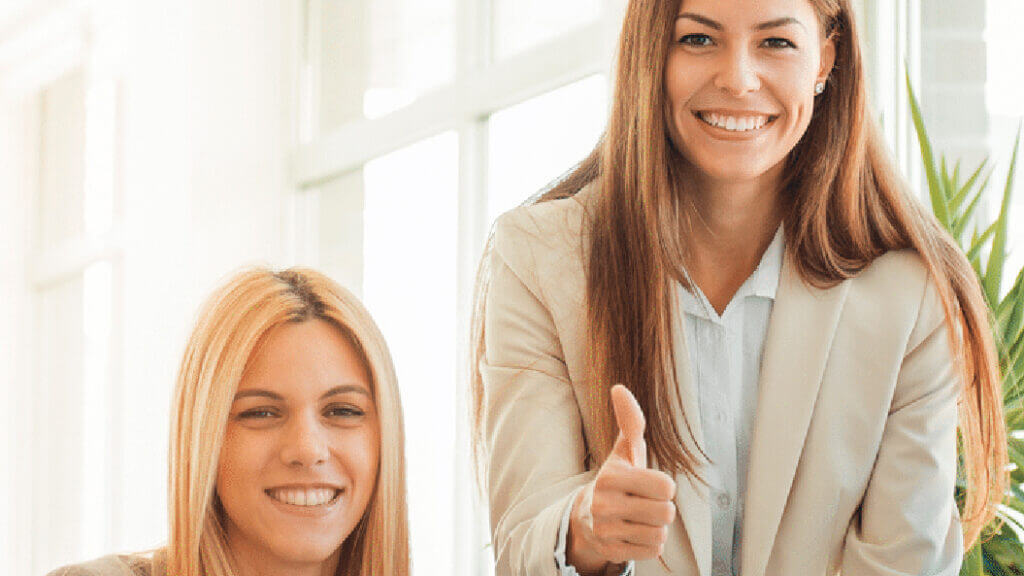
580	551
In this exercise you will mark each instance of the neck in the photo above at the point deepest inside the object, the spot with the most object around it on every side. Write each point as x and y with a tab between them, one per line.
251	559
734	221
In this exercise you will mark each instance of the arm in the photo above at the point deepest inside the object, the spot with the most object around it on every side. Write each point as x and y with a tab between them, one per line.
908	521
538	483
532	424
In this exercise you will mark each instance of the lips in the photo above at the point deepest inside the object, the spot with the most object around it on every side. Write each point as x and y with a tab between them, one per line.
306	496
736	122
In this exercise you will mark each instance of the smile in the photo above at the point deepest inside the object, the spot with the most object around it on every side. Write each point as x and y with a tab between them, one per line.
309	497
735	123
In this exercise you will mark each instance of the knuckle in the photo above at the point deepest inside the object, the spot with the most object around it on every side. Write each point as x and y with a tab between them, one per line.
668	512
666	485
661	536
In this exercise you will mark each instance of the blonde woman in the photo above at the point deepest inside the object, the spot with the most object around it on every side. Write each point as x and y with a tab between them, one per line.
286	449
794	332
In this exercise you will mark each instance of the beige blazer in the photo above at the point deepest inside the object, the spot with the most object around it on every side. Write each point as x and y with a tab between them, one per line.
853	458
118	565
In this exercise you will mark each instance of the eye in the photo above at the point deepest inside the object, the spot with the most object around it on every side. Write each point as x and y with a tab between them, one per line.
258	414
343	411
779	43
696	40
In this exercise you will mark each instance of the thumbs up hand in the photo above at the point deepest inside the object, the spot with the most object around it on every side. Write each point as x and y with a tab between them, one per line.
625	512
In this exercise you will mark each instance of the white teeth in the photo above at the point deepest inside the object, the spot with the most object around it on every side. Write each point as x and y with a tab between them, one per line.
733	123
311	497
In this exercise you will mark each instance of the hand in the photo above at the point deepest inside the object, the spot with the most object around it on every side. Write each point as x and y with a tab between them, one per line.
625	512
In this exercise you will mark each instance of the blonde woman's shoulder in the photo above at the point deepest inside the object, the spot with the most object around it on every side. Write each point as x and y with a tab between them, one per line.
115	565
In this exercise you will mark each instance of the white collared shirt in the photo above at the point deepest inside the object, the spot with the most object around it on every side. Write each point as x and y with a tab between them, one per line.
725	359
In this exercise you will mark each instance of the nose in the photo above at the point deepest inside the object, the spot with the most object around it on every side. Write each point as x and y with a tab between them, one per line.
304	442
738	73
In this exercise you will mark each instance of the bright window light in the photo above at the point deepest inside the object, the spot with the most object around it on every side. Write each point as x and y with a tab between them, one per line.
536	141
409	286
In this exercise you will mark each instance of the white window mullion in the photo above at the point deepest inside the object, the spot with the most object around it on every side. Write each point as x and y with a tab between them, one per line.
473	555
473	42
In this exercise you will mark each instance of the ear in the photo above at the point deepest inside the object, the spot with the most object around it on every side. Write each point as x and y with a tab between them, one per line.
828	57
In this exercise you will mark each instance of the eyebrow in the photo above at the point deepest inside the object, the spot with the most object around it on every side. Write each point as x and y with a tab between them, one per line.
343	389
776	23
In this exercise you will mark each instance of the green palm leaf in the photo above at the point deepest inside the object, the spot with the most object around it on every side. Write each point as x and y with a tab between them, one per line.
939	205
994	273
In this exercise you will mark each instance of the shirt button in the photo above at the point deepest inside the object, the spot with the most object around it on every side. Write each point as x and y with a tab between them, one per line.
724	500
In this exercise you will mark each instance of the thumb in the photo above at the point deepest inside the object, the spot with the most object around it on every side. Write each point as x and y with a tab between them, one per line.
630	420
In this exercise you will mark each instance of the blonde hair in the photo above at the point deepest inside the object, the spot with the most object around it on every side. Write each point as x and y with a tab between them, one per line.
230	326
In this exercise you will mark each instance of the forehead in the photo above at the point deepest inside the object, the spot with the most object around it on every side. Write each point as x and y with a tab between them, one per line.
304	359
738	13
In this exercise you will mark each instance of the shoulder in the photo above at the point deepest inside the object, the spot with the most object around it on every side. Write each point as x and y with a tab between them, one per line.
902	271
559	225
112	565
900	290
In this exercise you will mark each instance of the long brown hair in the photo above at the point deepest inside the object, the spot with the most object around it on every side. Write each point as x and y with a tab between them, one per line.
845	205
230	326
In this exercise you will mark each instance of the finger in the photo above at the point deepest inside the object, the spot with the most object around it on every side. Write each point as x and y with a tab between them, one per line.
630	420
641	511
637	534
642	482
617	551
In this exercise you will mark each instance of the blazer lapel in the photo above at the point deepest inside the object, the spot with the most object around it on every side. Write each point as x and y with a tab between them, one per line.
692	501
800	331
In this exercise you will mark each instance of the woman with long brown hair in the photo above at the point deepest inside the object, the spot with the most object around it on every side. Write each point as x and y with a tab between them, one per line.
794	333
286	447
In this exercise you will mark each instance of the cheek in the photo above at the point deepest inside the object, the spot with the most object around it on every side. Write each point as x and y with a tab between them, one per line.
358	453
240	462
680	80
679	87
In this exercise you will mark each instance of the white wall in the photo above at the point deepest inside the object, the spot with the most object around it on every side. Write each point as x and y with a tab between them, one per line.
202	194
14	324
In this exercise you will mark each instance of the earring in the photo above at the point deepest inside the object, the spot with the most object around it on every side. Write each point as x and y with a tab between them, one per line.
819	88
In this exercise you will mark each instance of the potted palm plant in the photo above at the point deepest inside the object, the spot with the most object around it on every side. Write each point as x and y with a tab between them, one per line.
955	202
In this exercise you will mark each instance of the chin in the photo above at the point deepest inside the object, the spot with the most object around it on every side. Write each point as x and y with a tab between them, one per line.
308	550
733	172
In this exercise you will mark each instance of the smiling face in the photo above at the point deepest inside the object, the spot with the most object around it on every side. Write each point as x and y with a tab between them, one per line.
740	84
300	453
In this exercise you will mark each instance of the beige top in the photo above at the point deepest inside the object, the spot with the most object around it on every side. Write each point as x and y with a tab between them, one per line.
853	453
118	565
